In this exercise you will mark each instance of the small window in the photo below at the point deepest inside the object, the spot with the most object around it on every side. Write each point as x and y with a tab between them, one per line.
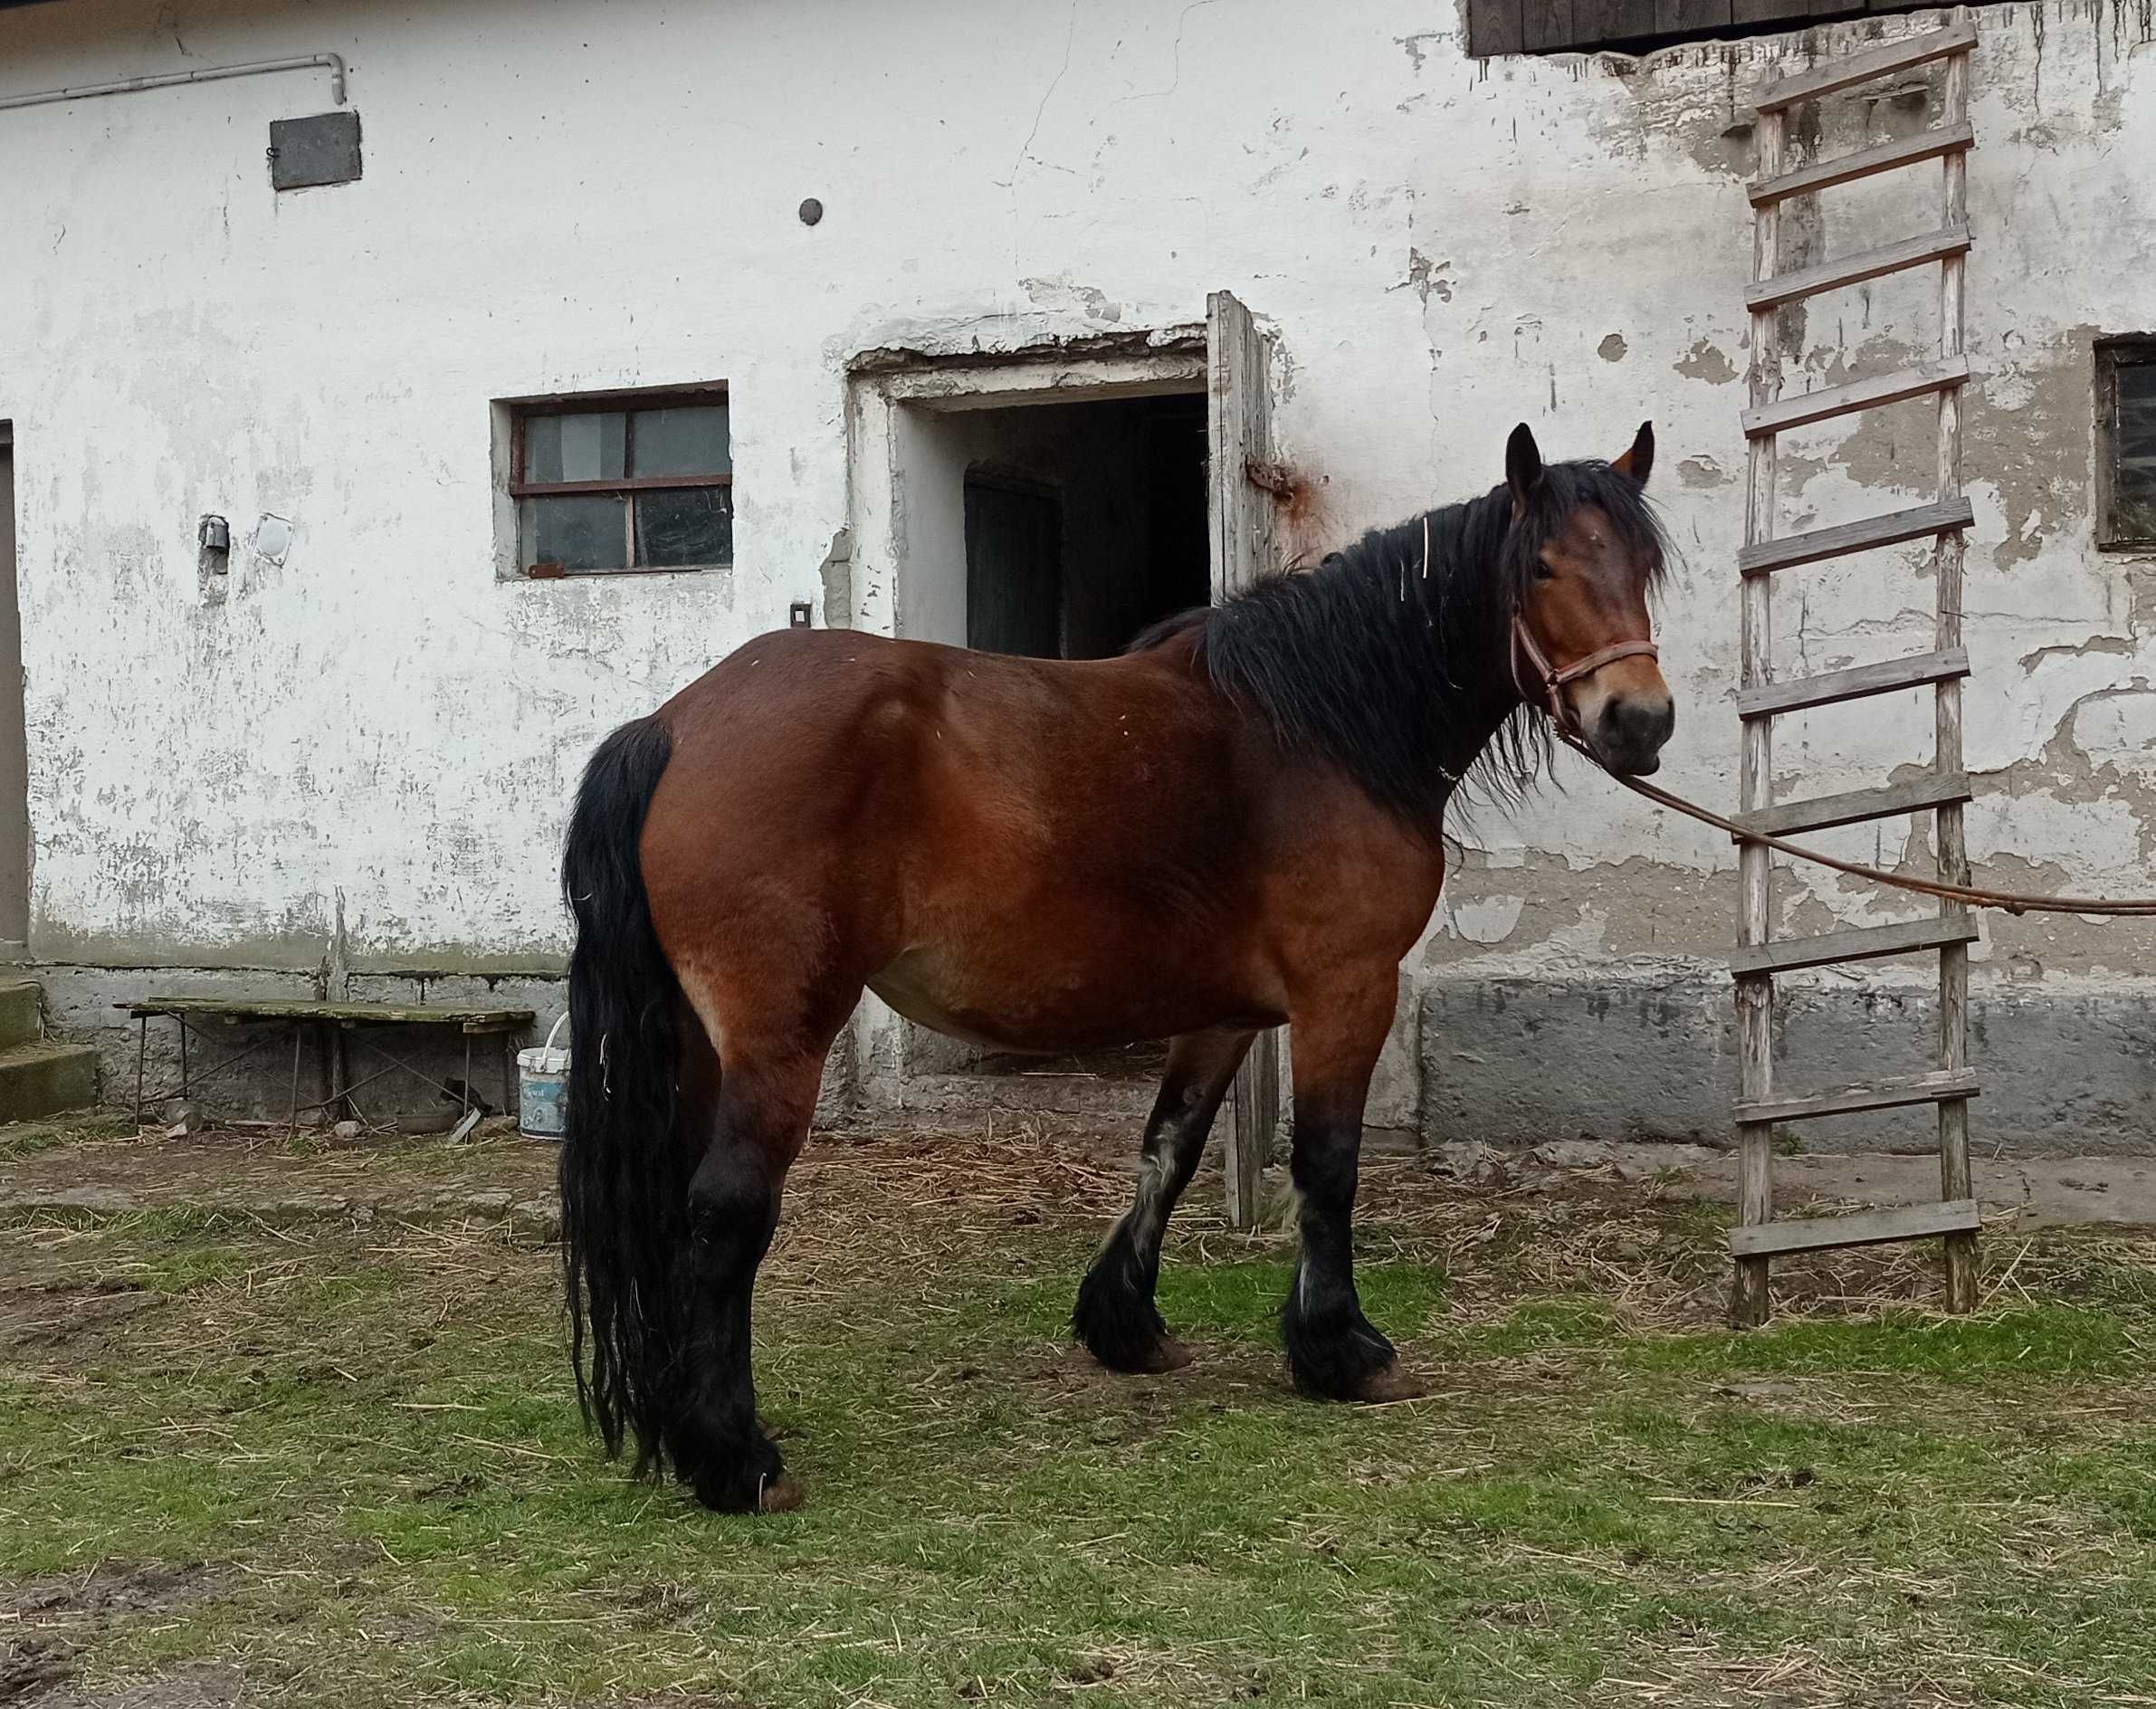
616	481
2126	444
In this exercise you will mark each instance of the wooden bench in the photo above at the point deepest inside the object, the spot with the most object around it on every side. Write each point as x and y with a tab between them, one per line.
334	1025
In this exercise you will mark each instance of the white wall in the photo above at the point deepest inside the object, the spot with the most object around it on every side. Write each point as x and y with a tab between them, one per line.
581	195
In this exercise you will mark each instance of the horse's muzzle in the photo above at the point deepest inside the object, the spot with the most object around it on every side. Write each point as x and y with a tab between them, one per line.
1629	731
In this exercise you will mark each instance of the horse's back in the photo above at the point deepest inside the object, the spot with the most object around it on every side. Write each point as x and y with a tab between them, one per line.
903	780
825	720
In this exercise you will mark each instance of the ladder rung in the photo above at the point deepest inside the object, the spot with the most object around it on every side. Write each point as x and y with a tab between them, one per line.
1853	684
1859	943
1852	69
1854	270
1848	538
1866	1228
1824	175
1847	400
1890	1094
1853	806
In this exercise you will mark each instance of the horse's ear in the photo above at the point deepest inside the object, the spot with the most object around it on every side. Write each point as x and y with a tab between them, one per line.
1638	462
1523	465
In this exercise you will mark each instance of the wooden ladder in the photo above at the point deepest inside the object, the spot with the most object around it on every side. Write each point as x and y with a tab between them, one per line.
1760	1107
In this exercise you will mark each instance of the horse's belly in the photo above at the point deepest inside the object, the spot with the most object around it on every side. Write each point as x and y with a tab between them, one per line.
1008	1010
924	1010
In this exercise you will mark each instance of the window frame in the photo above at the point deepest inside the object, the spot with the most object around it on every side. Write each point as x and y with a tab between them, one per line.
625	403
2126	349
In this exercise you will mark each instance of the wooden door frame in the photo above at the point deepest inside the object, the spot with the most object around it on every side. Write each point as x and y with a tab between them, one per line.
1246	547
884	384
14	753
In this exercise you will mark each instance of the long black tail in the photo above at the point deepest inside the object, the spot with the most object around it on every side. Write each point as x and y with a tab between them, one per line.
625	1176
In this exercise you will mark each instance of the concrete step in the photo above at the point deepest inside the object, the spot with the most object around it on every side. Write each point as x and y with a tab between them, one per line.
22	1020
44	1079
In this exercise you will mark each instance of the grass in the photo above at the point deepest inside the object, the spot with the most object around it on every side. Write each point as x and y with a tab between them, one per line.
367	1436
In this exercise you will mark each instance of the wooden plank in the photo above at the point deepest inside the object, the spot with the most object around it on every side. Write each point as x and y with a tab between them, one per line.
1691	17
1546	24
1828	688
1494	27
300	1009
1866	1228
1891	1094
1854	269
1847	400
1253	1120
1859	943
1240	517
1824	175
1592	20
1597	22
1954	1177
1847	539
1749	1298
1849	70
1853	806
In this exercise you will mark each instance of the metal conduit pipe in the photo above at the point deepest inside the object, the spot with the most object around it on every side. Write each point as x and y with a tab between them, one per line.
331	62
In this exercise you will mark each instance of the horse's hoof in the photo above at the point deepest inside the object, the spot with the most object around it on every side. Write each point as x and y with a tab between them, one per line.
780	1495
1167	1354
1393	1382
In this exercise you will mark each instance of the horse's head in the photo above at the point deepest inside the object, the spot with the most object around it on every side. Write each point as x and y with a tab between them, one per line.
1584	549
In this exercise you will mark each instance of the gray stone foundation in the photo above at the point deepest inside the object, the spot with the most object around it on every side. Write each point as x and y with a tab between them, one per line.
1520	1061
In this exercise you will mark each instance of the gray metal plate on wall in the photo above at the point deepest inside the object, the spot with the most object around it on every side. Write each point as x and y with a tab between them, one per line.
323	149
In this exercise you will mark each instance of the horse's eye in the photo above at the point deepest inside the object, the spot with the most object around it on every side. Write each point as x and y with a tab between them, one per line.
1543	572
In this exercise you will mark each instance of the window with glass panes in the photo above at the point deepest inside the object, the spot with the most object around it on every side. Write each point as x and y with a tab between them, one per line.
2126	444
615	483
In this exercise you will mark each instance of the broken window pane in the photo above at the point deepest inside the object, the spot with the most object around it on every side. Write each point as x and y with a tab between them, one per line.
2133	474
577	533
677	529
692	441
575	448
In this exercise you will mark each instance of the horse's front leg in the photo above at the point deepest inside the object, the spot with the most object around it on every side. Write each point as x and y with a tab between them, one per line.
1333	1350
1115	1316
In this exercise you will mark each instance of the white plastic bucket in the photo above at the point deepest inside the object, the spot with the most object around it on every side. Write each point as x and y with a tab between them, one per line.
543	1088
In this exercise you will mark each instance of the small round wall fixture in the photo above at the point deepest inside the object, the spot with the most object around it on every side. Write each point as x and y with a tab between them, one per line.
812	211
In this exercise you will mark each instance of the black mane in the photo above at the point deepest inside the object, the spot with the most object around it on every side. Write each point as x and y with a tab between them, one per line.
1392	660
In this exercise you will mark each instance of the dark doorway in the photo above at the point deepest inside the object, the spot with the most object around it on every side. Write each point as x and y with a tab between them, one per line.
1085	522
1014	566
14	747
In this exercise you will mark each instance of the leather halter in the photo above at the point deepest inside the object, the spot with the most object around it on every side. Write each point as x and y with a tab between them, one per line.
1552	681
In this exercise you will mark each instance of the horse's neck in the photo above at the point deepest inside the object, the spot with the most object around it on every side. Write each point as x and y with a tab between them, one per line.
1476	712
1478	729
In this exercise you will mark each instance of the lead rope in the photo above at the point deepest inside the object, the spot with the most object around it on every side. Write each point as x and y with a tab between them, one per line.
1974	896
1553	681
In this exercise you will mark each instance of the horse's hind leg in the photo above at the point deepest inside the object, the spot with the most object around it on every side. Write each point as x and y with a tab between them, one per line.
759	1122
1115	1316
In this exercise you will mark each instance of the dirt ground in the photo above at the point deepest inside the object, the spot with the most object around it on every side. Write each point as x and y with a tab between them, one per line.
261	1174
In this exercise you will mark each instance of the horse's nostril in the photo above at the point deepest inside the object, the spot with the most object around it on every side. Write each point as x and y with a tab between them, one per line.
1637	724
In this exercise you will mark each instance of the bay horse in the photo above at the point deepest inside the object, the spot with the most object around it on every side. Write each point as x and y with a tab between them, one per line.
1233	825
